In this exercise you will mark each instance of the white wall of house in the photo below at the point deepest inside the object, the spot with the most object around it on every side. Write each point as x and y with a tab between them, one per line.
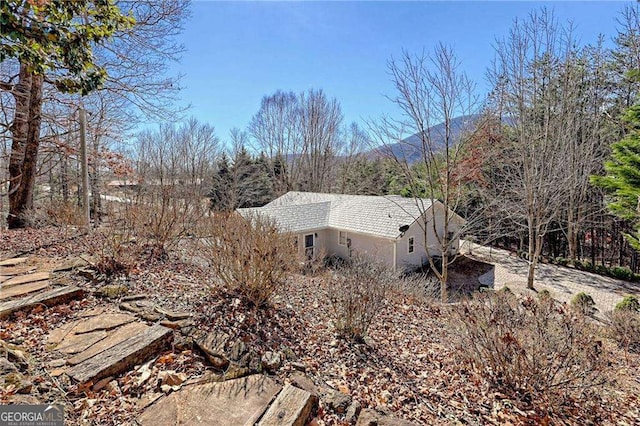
319	241
327	242
378	248
405	259
417	231
333	245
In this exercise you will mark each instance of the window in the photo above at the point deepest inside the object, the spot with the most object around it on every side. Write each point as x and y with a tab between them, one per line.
410	242
342	238
309	246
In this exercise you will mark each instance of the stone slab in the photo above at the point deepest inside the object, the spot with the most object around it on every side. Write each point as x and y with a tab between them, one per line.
73	263
13	262
292	407
20	290
49	298
370	417
122	356
56	336
231	403
103	322
16	270
74	343
23	279
116	336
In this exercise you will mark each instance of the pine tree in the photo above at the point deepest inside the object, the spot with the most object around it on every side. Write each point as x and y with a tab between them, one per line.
222	196
622	179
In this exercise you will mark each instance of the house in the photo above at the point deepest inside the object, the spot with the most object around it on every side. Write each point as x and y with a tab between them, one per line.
387	228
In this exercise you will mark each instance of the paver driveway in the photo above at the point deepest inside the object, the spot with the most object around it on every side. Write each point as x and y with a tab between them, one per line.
562	282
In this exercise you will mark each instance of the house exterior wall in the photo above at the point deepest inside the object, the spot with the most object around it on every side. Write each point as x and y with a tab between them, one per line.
327	243
419	255
320	241
380	249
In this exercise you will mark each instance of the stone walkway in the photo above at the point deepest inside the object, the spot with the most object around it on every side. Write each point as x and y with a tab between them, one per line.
562	282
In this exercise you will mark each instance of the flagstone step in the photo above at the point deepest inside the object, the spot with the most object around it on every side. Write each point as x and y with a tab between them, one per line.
13	262
23	279
48	298
115	337
16	270
20	290
292	407
124	355
235	402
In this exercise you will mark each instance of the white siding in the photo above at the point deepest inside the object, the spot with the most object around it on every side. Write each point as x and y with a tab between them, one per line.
327	240
432	248
380	249
327	243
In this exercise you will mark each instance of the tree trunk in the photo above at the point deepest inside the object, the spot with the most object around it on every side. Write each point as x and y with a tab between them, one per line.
531	254
444	295
25	145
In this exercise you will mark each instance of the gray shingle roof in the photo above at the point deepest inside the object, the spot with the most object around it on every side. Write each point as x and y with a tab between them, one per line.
294	218
375	215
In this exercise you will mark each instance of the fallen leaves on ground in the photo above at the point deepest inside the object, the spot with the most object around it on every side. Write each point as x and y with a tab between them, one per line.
405	368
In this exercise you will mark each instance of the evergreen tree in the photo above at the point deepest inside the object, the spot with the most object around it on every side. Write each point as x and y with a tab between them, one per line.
622	179
262	182
221	195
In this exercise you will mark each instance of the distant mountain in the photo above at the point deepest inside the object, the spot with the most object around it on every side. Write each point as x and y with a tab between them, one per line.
410	148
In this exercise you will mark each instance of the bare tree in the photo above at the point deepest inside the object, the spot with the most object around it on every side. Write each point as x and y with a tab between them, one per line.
540	123
174	166
136	58
276	131
432	90
300	135
320	120
584	83
355	139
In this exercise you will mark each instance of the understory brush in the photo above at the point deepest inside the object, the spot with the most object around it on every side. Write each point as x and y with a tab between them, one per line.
249	255
624	324
118	254
536	351
357	289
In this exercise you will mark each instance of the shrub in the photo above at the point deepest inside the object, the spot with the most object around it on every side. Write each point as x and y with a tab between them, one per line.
621	273
533	350
505	290
62	213
624	328
161	216
562	261
584	266
421	286
629	303
583	303
544	295
118	253
357	290
249	256
315	266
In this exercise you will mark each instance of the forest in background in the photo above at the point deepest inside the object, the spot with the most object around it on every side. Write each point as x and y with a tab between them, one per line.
521	170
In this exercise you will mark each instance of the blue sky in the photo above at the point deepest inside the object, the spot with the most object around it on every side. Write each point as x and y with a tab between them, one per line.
237	52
